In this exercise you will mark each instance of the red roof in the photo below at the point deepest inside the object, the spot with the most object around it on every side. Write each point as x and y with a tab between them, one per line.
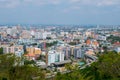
117	43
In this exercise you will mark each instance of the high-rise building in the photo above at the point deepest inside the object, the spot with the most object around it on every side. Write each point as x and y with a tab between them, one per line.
67	52
54	56
0	36
61	56
57	55
51	57
78	52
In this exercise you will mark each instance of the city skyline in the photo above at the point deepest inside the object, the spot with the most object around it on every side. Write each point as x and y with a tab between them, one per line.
60	12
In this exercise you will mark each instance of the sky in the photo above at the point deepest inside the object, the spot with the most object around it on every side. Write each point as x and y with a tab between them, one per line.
106	12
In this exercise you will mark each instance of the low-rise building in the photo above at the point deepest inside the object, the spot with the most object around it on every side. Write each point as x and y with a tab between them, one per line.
12	49
117	49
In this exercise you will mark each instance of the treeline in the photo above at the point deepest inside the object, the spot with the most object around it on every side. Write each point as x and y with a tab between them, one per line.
12	68
106	68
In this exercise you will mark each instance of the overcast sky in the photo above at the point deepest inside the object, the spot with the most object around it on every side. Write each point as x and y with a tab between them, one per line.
60	11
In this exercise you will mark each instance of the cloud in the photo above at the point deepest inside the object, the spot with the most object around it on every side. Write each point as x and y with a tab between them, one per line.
96	2
42	2
15	3
74	1
72	8
9	3
108	2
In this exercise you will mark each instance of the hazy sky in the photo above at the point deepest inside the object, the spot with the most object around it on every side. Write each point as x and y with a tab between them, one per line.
60	11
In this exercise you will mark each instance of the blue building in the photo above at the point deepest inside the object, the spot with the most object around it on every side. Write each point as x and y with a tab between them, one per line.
67	53
78	53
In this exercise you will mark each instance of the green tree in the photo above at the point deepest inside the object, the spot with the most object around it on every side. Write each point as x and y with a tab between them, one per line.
74	75
105	48
72	43
11	69
106	68
6	63
25	73
113	38
1	50
51	44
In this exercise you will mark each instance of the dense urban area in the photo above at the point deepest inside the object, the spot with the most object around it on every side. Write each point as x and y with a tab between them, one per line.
59	52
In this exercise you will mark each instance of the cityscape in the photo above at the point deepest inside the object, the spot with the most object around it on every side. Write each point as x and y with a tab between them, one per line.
59	40
53	47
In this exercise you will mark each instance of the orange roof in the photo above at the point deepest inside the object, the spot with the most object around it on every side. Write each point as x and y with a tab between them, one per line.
95	43
88	42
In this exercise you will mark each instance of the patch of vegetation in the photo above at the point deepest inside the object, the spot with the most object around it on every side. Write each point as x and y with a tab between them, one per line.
113	39
106	68
51	44
1	50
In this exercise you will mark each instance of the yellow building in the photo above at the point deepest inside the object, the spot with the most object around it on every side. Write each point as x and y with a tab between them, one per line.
33	50
37	51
